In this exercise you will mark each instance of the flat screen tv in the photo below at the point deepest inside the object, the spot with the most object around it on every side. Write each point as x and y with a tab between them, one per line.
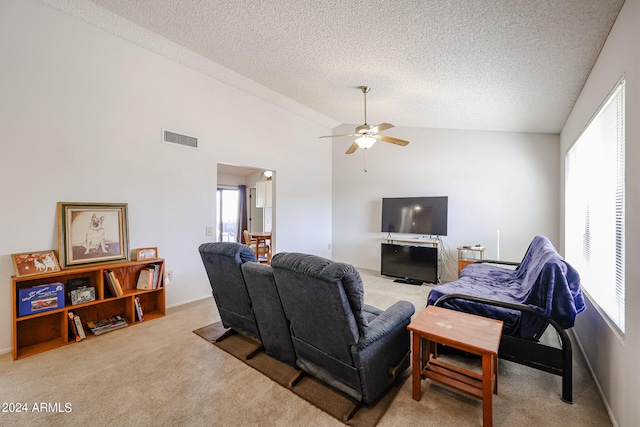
410	264
415	215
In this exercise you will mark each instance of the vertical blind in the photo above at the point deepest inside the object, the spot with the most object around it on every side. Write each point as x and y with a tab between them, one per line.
595	207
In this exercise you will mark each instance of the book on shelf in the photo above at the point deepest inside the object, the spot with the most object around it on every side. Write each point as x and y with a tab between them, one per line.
110	285
117	283
72	327
75	324
157	270
79	327
139	313
145	279
114	284
149	277
103	326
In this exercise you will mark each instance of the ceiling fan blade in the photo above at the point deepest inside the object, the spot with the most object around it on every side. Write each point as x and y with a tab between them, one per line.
344	134
381	127
352	149
392	140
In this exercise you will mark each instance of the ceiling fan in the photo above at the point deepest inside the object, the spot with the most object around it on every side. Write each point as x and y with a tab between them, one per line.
367	134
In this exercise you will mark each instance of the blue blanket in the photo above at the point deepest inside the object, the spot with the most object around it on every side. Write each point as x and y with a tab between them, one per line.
543	281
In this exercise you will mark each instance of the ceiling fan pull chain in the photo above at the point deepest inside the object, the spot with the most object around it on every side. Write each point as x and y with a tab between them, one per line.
365	159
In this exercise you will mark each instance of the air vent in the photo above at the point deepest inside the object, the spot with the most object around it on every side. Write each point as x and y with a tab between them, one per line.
176	138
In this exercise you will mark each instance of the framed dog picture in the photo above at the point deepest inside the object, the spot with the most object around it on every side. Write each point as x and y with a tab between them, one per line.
31	263
92	232
146	253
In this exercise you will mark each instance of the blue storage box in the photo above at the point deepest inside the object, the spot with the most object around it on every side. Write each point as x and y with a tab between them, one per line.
40	298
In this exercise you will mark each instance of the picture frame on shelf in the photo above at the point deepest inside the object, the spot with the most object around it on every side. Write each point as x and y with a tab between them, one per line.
75	283
83	295
33	263
90	233
146	254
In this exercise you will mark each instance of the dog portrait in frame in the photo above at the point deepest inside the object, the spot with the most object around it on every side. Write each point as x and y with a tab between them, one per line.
92	232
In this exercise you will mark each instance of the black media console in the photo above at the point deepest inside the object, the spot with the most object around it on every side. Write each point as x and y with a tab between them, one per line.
413	264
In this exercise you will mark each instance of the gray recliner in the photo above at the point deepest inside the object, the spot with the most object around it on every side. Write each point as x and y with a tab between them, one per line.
246	296
358	349
267	308
222	262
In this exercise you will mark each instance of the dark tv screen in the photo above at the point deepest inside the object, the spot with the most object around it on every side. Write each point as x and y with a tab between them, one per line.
415	215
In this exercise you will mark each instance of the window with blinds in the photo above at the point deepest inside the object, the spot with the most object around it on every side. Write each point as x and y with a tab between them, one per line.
595	207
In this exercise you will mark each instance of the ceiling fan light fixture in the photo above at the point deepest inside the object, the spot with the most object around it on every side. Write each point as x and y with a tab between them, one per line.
366	134
365	141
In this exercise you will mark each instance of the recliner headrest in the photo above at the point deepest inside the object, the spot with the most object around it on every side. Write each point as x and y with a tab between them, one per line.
241	253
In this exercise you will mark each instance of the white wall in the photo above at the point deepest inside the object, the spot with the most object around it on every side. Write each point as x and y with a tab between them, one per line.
615	361
81	113
494	180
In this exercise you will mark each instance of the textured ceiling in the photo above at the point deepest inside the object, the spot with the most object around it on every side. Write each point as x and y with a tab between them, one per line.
512	65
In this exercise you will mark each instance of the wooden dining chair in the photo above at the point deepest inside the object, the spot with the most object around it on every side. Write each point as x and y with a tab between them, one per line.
262	250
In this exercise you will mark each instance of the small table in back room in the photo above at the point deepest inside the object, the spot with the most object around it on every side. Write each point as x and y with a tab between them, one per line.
263	246
466	332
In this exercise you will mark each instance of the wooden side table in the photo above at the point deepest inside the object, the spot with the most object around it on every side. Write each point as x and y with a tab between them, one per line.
469	255
466	332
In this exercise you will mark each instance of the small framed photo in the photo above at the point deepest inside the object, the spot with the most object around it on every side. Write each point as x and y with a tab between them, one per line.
92	233
82	295
32	263
74	284
146	253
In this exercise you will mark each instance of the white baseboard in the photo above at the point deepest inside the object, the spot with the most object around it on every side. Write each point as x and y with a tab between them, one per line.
190	301
595	379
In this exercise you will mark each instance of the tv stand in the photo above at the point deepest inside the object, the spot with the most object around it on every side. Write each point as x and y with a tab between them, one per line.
429	242
411	261
410	282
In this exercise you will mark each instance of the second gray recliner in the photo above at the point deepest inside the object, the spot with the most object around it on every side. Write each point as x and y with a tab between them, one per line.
338	339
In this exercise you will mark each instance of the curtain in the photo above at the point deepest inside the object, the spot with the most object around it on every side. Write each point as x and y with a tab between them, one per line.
242	213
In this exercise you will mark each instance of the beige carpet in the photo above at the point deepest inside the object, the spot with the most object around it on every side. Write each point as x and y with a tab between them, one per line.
324	397
159	373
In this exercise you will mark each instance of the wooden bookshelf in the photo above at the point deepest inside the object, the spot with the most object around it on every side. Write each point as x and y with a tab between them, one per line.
46	330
